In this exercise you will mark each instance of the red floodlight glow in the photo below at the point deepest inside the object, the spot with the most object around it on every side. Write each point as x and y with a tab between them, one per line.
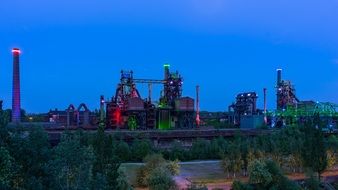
16	50
118	116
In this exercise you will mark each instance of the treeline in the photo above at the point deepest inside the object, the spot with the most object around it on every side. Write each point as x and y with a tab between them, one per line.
265	174
293	149
92	160
79	161
287	147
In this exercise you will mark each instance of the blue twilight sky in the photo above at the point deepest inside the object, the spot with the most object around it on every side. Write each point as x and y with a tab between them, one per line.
73	50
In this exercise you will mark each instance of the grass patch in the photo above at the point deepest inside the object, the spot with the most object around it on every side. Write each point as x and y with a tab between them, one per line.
199	172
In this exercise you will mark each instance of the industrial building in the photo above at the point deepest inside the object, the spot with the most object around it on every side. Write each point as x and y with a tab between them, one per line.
79	116
127	110
291	110
245	105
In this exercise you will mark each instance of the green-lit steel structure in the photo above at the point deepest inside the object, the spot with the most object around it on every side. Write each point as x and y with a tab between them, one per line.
291	110
127	109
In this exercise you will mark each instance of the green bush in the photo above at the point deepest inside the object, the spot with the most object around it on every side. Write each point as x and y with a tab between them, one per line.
161	179
156	170
140	149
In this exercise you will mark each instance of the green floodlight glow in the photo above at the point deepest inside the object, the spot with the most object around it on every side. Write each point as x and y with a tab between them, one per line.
132	123
164	120
166	65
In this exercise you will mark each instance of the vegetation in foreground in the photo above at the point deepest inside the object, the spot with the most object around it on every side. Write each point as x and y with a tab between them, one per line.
157	173
84	161
27	161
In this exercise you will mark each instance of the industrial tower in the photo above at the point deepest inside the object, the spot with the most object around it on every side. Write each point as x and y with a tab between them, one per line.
16	107
286	93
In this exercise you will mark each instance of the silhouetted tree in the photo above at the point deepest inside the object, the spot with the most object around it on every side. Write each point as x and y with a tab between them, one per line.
267	175
6	169
140	149
31	151
122	151
155	171
314	150
72	164
106	164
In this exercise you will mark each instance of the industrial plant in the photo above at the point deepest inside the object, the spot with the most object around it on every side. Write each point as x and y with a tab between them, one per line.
128	110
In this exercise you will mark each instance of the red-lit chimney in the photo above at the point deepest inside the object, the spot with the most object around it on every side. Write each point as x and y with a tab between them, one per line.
16	107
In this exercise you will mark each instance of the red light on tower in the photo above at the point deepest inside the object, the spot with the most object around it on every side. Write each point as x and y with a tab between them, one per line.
16	51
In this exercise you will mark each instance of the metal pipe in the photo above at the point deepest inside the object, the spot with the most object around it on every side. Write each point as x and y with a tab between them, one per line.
102	114
198	121
149	91
279	76
265	106
279	84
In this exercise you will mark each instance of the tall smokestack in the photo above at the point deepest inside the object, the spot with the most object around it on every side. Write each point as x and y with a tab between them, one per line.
166	71
279	83
16	107
264	91
102	108
265	106
279	76
198	121
149	92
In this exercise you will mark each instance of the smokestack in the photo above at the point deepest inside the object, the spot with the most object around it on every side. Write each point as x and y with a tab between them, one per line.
166	71
102	108
279	76
16	107
198	121
149	92
265	106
